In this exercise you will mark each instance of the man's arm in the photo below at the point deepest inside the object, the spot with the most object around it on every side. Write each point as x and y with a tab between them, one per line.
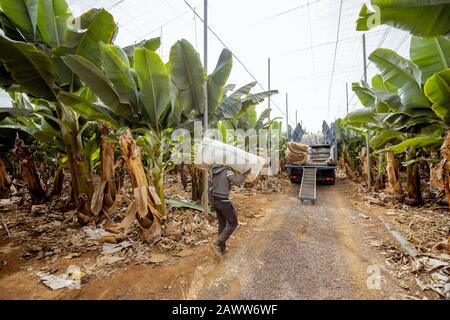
235	179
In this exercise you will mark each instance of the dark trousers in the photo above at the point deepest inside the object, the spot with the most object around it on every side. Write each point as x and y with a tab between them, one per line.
228	220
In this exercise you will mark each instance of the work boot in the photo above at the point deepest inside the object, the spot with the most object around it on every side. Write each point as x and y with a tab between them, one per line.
217	249
222	246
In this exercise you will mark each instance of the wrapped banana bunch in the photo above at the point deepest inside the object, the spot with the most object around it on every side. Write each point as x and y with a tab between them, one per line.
297	153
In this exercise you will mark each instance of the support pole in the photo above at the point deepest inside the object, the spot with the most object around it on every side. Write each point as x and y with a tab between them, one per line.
346	94
369	178
268	78
296	118
287	117
205	113
269	140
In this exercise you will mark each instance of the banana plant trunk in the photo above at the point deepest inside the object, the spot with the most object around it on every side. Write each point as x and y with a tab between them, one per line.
29	171
104	198
414	196
393	176
445	154
197	184
82	184
366	171
58	182
144	208
5	181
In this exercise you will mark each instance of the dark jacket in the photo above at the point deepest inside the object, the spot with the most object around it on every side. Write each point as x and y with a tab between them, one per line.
222	180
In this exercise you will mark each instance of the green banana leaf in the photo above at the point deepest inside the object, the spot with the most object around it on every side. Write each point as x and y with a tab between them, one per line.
365	95
97	25
5	78
21	12
418	142
230	106
30	68
150	44
13	113
385	136
261	123
362	117
401	73
9	28
179	203
254	99
96	80
437	88
176	111
247	121
379	84
52	18
153	83
118	70
424	18
90	111
218	79
188	75
430	55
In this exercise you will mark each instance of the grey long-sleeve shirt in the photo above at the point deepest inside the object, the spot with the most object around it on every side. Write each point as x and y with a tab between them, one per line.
222	181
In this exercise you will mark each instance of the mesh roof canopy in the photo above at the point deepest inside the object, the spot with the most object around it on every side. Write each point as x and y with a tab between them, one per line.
313	45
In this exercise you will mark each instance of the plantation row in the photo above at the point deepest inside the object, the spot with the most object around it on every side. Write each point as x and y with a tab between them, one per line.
406	105
84	103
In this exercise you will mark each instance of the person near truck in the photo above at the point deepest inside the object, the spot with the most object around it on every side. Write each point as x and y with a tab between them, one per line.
222	179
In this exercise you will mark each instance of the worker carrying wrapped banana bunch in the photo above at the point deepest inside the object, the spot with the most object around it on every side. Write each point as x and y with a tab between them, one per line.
229	166
297	153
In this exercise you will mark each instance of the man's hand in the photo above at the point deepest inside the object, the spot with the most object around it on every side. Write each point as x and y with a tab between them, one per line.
247	172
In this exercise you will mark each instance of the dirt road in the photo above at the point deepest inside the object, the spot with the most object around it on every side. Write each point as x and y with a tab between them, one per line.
289	251
298	252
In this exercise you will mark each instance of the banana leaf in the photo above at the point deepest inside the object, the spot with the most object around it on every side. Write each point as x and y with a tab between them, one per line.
218	79
118	70
99	84
424	18
21	12
153	83
430	55
437	88
230	106
52	17
188	75
96	26
30	68
150	44
401	73
418	142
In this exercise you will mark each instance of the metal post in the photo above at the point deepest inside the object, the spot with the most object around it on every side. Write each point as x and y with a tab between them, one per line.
346	94
369	178
161	43
205	86
269	140
268	78
296	119
287	117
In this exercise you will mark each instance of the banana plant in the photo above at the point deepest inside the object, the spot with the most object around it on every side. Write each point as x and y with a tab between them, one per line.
132	94
37	34
189	78
422	18
398	111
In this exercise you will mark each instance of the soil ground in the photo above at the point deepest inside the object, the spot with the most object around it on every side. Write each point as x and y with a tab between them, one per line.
289	250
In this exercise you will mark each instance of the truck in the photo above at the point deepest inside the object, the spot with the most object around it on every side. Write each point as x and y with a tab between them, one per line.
321	165
321	158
